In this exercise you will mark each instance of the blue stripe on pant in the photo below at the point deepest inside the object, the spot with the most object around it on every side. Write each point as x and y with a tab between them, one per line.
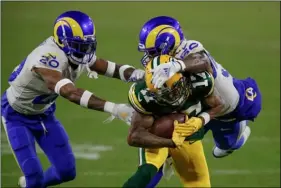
23	131
226	134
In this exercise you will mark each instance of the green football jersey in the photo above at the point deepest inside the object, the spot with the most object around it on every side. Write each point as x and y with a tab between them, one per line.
201	85
143	101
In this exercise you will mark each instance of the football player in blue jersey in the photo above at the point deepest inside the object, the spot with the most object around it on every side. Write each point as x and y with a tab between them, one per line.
50	70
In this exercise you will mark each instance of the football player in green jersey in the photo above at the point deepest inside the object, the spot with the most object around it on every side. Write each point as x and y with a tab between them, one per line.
189	94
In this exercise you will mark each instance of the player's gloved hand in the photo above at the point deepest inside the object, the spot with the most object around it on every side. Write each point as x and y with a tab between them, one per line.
177	137
163	72
137	75
124	112
189	127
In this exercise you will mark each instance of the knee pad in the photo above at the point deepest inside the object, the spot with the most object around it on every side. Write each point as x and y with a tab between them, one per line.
68	174
67	169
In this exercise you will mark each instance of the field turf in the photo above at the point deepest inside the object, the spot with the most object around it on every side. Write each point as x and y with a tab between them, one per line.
243	36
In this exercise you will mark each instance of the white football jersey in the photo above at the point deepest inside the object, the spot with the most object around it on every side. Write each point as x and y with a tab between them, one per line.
224	87
28	93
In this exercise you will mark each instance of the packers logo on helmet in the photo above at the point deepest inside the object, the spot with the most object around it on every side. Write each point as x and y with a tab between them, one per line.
175	90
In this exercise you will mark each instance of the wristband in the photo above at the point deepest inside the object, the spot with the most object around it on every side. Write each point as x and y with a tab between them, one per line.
110	69
122	71
108	107
85	98
205	116
61	83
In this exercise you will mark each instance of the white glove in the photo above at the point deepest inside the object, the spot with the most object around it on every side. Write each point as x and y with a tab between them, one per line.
124	112
137	75
163	72
90	73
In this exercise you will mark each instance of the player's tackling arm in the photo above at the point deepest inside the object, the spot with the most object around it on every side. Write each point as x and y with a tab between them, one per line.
216	106
197	62
64	87
193	56
139	135
111	69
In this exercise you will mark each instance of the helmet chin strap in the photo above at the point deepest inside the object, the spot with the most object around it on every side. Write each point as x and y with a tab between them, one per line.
91	73
74	60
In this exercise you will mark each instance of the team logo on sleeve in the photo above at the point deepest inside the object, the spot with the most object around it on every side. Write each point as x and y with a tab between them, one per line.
250	94
50	60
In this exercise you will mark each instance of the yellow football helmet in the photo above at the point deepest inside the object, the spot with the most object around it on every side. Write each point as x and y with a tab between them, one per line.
175	91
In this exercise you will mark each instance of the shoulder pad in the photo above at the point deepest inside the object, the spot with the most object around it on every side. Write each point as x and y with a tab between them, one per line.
188	47
202	84
49	56
136	99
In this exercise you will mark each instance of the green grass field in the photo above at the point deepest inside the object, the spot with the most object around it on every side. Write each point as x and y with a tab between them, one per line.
243	36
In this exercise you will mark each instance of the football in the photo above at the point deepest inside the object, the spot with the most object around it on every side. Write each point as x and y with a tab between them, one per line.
164	126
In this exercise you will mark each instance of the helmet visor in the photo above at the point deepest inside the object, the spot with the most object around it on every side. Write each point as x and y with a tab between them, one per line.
82	48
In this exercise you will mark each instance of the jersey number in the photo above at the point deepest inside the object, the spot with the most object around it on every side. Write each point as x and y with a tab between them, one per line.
146	98
49	60
17	71
45	99
194	109
188	49
201	83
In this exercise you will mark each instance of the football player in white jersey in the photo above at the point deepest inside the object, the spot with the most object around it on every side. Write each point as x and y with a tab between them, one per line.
49	71
240	99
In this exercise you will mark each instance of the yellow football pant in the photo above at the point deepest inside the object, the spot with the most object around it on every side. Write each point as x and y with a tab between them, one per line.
189	162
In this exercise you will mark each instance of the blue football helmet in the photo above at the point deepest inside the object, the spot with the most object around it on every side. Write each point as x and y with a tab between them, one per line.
74	33
158	36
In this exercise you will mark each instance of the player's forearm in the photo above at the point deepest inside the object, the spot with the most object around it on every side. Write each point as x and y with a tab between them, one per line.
82	97
67	89
210	114
143	138
215	111
77	96
196	63
196	67
111	69
216	108
123	72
